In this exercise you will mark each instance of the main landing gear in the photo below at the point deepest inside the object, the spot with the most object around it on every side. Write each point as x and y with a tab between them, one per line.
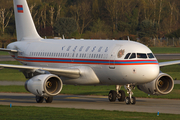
40	99
120	95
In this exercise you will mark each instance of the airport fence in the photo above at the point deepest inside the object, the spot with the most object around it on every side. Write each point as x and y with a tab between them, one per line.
163	42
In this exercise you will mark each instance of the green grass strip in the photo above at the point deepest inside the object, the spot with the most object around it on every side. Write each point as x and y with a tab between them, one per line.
46	113
165	50
3	53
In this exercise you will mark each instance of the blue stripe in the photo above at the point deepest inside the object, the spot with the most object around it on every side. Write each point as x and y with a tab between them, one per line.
20	8
137	62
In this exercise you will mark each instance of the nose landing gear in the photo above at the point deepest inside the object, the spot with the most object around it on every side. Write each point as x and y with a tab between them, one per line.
120	95
130	99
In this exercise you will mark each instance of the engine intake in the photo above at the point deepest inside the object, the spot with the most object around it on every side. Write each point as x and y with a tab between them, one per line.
44	85
162	85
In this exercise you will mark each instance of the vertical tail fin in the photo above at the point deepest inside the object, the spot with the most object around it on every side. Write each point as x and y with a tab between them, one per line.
25	28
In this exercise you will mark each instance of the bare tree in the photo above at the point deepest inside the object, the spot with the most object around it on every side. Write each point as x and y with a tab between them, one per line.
112	7
82	14
160	11
4	18
5	14
52	11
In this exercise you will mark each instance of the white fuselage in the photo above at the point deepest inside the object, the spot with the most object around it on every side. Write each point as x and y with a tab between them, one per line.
105	57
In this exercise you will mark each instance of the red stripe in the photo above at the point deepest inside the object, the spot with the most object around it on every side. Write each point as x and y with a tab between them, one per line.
19	6
20	11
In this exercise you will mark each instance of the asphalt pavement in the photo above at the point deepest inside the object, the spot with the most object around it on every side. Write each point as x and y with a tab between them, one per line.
149	105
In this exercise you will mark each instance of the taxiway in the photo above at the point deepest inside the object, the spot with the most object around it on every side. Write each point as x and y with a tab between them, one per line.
93	102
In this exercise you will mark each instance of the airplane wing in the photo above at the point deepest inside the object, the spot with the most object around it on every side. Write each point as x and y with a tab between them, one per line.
66	72
8	50
161	64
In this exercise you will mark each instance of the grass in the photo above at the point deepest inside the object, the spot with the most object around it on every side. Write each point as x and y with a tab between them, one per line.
11	74
172	70
165	50
42	113
95	90
3	53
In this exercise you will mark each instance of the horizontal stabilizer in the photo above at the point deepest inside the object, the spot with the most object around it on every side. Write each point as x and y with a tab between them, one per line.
8	50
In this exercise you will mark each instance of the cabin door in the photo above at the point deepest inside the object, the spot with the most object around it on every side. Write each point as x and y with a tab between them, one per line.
113	56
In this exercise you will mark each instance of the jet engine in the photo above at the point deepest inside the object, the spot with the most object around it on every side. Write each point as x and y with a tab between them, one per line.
162	85
44	85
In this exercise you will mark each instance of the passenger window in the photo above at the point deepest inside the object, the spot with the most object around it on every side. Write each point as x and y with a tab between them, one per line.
141	55
150	55
133	55
127	56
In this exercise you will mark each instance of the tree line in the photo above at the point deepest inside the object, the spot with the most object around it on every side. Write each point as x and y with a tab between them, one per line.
100	19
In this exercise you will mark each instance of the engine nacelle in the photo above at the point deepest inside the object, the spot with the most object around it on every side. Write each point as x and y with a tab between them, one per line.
162	85
44	85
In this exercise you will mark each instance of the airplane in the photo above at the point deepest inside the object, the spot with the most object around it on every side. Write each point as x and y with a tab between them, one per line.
50	63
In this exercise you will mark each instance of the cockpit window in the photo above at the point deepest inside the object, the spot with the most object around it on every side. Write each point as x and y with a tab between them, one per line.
127	56
133	55
141	55
150	55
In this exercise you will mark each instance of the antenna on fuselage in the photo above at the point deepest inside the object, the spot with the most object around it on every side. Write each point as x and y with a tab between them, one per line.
128	38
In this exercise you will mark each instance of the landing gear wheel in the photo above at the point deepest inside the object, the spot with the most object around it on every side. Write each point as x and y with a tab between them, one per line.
49	99
121	97
130	98
39	99
133	100
127	100
112	96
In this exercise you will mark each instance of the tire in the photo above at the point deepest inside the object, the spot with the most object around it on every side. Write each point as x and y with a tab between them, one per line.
39	99
112	96
49	99
127	100
133	100
122	95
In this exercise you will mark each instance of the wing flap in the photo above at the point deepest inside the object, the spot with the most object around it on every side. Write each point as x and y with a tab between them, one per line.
66	72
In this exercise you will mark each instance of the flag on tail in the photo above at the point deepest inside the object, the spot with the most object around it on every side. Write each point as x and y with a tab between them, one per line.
20	8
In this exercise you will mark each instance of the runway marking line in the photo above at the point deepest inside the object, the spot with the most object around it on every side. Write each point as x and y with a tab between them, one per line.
81	97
